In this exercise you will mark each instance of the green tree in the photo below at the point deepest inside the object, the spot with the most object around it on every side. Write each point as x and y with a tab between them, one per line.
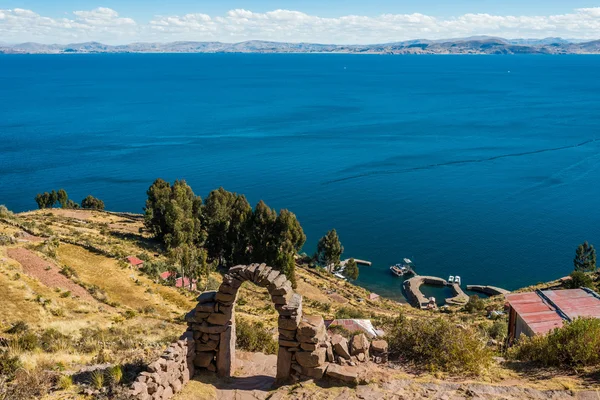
225	217
262	233
585	258
172	213
46	200
53	198
289	239
63	198
351	270
92	203
329	251
579	279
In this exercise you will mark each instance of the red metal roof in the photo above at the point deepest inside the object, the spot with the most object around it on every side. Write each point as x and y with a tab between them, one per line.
134	260
541	316
166	275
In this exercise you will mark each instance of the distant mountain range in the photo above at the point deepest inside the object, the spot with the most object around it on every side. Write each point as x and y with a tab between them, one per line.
470	45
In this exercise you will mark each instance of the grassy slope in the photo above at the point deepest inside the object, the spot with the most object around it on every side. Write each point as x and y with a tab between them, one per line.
127	289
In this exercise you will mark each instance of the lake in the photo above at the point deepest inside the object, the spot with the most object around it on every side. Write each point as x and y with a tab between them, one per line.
485	167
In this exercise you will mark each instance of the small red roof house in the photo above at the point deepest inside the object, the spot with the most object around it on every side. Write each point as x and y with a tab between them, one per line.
374	297
539	312
135	262
166	275
185	283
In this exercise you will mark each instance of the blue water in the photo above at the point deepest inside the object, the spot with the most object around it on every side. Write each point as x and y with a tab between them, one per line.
453	161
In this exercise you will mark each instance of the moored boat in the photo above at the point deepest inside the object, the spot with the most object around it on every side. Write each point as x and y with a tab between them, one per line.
403	268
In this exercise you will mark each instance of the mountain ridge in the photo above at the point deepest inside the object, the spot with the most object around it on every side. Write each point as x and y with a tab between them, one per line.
468	45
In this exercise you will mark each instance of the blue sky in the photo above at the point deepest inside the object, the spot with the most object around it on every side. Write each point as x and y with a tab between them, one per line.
326	8
324	21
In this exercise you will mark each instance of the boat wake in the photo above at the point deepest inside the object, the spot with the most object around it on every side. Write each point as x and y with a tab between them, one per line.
457	162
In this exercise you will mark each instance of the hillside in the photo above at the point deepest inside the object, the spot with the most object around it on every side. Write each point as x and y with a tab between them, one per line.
472	45
63	274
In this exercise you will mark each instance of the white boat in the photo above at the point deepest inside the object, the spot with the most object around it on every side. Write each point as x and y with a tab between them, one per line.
451	279
340	276
402	269
408	261
457	280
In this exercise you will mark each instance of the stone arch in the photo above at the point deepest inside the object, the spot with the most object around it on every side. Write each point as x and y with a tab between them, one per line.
303	345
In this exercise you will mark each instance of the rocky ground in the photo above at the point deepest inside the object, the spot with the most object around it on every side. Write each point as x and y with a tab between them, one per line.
255	378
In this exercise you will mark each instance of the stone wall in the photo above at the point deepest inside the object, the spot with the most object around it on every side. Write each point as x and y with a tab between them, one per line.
169	374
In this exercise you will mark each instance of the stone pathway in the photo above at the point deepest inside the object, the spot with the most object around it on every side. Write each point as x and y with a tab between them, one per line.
256	374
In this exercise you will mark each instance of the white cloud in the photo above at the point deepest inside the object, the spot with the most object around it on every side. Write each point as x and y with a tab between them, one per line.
105	24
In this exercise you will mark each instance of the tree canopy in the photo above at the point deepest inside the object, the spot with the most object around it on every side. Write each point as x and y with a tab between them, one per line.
92	203
585	258
351	270
329	251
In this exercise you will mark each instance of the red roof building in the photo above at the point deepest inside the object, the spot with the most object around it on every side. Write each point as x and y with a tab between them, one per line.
185	283
134	261
166	275
539	312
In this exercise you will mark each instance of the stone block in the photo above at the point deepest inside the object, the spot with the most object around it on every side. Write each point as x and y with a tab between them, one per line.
261	278
308	346
285	291
287	334
315	372
278	282
329	349
219	318
203	358
379	346
281	299
359	344
208	346
208	328
293	306
206	307
311	325
340	346
271	277
176	385
361	357
168	393
311	359
226	352
207	297
225	298
284	363
343	373
288	323
226	288
288	343
138	387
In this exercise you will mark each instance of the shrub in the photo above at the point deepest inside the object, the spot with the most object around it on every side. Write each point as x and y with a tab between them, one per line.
52	341
439	345
579	279
97	379
350	313
254	337
65	382
475	304
9	364
498	330
18	327
27	341
128	314
30	384
69	272
576	344
115	373
5	212
65	294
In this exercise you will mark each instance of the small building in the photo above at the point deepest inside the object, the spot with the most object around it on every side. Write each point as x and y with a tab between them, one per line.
166	275
374	297
356	325
135	262
539	312
185	283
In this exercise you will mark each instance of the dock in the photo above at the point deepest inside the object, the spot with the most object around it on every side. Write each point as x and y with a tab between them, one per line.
417	298
358	261
489	290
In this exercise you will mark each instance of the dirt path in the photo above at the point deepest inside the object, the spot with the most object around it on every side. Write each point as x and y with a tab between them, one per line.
36	267
256	375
